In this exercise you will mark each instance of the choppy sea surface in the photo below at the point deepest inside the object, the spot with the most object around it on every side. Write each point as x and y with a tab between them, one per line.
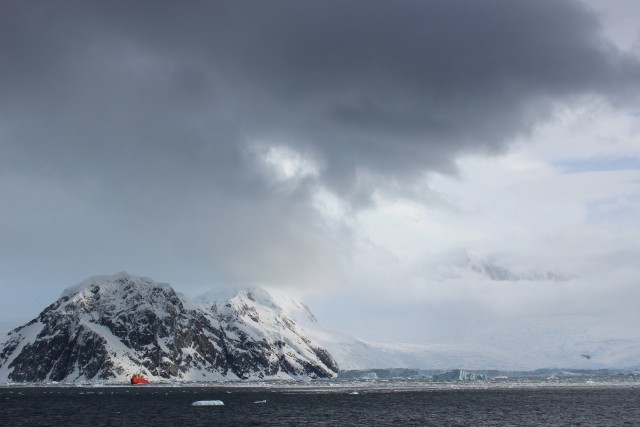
605	401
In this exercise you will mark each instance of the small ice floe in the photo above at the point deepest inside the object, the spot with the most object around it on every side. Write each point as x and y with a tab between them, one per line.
260	401
208	403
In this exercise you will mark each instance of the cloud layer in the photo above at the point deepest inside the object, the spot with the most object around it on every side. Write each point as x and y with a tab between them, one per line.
205	142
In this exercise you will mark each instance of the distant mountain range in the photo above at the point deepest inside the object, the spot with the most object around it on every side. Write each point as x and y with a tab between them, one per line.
109	327
460	263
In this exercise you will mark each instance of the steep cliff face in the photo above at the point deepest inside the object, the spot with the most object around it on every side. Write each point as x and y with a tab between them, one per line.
110	327
259	332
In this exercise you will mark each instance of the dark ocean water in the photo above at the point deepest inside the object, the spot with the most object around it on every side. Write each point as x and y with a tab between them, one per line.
159	406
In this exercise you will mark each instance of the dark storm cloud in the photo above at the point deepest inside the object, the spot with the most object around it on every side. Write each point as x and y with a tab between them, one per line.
383	86
134	124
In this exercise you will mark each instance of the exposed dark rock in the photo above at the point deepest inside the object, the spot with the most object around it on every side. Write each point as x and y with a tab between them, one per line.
112	327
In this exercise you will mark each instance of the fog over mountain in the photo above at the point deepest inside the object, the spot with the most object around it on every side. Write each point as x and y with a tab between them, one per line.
340	151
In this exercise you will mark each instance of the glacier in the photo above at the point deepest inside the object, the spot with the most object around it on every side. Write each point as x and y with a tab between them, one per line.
524	344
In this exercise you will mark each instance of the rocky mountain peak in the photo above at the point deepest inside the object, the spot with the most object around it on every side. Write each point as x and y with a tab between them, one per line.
114	283
109	327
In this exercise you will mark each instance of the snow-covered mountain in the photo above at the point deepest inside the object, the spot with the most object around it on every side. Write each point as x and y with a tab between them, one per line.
110	327
525	344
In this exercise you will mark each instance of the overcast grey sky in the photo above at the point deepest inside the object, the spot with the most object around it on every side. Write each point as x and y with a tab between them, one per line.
339	149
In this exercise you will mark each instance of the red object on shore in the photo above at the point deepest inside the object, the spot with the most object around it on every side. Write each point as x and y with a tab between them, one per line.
138	379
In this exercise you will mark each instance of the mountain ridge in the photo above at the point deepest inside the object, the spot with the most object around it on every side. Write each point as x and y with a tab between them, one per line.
109	327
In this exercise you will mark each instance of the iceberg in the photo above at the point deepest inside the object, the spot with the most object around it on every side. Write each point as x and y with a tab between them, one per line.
208	403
